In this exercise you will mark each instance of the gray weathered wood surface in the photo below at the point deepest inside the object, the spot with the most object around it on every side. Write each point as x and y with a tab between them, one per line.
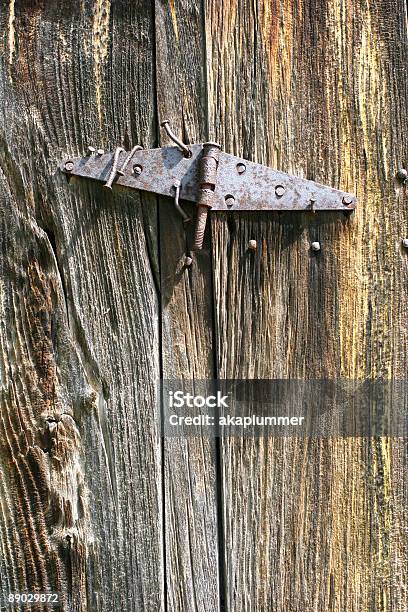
96	306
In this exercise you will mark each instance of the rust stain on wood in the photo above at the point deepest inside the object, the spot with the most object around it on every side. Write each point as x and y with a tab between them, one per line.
174	19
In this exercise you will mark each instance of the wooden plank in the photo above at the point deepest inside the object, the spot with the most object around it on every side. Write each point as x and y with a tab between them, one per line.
187	323
80	477
314	89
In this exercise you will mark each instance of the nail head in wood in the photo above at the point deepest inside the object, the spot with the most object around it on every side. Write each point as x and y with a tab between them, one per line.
402	175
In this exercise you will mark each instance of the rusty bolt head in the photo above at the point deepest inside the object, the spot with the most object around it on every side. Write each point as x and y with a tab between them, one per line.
315	246
187	261
229	200
347	200
137	169
241	168
69	166
405	243
252	245
279	190
402	175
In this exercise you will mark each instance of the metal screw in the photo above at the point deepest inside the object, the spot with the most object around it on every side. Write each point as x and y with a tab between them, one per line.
347	200
252	245
241	168
100	151
137	169
279	190
69	166
405	243
91	150
187	261
114	169
229	200
402	175
315	246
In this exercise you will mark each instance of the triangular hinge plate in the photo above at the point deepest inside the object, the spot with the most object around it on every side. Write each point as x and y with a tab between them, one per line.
240	184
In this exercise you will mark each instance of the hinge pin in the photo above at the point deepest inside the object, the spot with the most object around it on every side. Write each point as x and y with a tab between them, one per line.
207	176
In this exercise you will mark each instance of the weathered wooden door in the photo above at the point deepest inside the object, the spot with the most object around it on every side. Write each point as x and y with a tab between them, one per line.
96	306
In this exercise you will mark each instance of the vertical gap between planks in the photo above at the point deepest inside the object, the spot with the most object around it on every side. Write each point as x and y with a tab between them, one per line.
218	454
160	322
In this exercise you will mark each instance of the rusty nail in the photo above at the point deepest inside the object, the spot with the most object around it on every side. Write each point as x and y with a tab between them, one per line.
405	243
137	169
229	200
128	158
241	168
114	169
166	125
69	166
91	150
402	175
316	246
347	200
177	187
279	190
252	245
187	261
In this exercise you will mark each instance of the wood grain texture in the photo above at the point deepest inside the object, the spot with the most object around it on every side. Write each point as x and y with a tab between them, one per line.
316	90
80	447
190	487
96	305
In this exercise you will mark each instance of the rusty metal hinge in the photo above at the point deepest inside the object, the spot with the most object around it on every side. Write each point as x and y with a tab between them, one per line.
204	174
